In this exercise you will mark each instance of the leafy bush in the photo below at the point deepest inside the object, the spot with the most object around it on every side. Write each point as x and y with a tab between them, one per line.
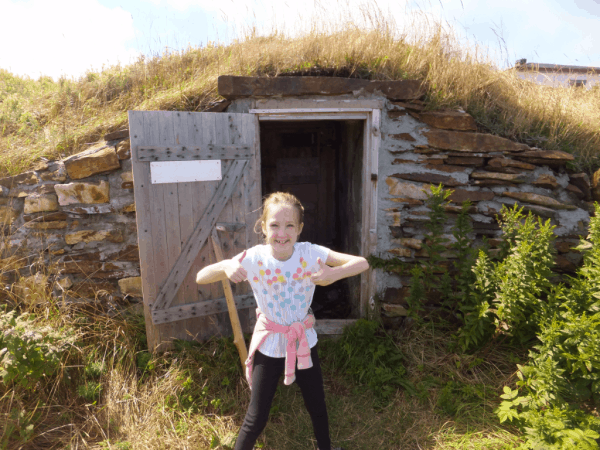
370	358
509	296
559	389
28	352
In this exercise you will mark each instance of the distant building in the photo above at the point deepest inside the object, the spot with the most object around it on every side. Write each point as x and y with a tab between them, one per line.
557	75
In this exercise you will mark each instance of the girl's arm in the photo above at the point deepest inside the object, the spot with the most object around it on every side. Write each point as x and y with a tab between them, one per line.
342	266
228	268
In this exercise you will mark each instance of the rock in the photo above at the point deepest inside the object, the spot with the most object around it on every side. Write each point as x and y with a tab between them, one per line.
582	181
8	215
449	120
466	161
546	181
395	218
54	225
506	162
23	178
487	183
98	159
444	167
92	235
127	180
395	296
45	217
232	87
565	247
432	178
412	106
394	310
458	209
547	154
539	211
38	203
218	106
538	200
90	209
575	190
410	201
60	174
436	161
460	195
404	161
121	134
407	190
402	136
564	265
512	178
471	142
73	193
124	150
128	208
596	186
131	286
403	252
415	244
64	283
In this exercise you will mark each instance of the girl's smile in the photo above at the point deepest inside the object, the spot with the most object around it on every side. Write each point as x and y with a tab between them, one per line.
282	230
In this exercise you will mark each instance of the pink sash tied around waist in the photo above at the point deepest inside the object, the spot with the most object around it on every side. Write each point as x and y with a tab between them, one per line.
293	333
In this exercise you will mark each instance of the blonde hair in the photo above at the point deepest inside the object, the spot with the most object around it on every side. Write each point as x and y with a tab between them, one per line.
279	198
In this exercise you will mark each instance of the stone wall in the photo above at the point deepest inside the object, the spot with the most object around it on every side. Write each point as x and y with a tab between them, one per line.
70	225
422	148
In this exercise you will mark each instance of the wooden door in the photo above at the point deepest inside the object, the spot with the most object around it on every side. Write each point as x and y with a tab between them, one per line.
175	219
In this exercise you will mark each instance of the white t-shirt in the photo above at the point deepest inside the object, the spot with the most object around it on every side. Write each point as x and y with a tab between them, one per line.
283	289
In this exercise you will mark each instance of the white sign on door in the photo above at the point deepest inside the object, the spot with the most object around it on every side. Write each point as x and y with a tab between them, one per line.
183	171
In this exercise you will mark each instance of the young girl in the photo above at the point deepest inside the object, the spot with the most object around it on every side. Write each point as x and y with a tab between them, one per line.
283	274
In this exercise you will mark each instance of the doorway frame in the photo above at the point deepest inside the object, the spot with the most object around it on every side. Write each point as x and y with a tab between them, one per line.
371	118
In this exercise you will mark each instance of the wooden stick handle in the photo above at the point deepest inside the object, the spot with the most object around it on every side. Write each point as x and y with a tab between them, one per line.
238	336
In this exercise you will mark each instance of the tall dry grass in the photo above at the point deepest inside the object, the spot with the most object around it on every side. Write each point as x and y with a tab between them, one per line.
54	119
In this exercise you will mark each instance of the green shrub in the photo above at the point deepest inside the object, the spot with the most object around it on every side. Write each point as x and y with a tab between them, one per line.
371	358
29	352
90	391
510	295
559	389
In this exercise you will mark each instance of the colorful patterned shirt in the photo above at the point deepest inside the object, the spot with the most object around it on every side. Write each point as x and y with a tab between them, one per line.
283	289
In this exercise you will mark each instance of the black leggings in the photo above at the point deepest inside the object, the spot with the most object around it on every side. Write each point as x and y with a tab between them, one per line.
265	376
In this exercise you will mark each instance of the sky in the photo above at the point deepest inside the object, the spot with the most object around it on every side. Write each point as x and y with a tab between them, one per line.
71	37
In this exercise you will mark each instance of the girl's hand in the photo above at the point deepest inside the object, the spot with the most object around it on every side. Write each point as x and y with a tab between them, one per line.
234	270
325	276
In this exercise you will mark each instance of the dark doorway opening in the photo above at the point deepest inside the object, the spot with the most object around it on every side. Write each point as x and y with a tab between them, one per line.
320	162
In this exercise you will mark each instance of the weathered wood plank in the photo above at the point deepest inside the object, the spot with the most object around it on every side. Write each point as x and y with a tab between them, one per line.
198	310
311	110
189	289
276	103
192	153
307	116
170	220
252	198
141	192
200	234
202	327
225	134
